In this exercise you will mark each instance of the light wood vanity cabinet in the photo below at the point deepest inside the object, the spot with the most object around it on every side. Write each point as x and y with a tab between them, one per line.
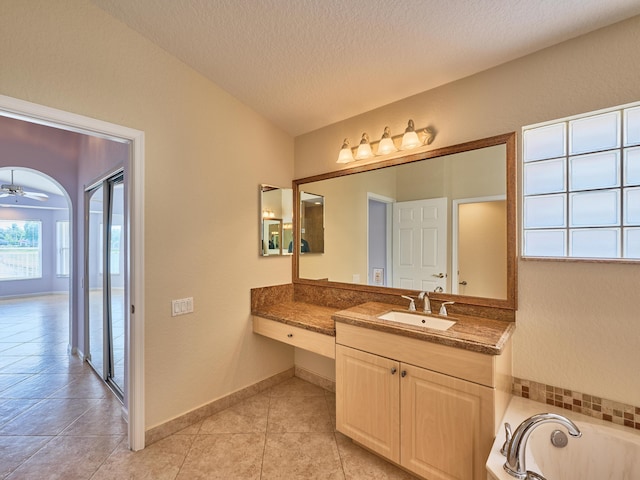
433	423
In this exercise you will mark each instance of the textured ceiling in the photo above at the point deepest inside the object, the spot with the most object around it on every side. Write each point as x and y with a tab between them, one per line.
305	64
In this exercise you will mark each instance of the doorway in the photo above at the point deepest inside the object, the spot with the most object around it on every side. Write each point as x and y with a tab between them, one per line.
479	266
134	312
379	220
107	280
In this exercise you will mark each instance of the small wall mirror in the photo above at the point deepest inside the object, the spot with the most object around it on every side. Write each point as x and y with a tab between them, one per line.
276	220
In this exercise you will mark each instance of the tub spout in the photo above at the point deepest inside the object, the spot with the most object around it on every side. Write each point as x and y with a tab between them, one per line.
516	446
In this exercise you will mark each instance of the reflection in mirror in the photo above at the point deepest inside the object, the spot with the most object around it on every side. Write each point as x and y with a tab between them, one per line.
443	222
479	262
311	223
276	220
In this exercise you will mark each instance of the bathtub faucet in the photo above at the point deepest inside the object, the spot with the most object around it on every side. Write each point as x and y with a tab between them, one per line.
516	444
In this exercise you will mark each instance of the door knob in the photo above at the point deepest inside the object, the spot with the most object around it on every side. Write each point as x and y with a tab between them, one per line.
394	370
464	282
439	275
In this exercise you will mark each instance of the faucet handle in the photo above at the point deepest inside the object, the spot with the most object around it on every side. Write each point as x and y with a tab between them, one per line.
412	304
508	434
443	308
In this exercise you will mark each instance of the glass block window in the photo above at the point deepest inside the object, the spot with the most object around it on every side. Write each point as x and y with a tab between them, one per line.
581	186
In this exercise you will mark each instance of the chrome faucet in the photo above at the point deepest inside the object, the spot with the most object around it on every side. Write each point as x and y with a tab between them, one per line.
427	304
516	444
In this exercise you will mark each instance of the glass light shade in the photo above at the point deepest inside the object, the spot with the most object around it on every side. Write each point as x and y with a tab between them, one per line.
386	144
345	155
410	138
364	149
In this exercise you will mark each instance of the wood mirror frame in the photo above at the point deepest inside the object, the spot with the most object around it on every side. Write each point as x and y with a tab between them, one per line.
509	140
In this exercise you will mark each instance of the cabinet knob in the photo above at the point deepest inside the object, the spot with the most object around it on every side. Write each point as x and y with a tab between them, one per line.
289	335
403	373
394	370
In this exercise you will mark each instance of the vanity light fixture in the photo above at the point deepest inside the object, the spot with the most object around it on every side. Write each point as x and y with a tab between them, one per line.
387	144
364	149
345	155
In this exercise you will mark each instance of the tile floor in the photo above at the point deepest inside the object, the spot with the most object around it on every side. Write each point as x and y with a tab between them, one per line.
58	421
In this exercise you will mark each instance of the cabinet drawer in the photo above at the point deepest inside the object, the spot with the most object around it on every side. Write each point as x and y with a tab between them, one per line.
456	362
324	345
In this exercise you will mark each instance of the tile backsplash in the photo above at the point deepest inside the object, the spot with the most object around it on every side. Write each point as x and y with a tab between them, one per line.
597	407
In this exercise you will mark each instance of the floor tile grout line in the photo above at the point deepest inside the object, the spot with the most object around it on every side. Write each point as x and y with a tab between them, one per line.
266	433
123	439
335	439
186	455
51	437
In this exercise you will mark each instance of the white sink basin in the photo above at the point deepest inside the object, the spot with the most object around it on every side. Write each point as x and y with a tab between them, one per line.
418	319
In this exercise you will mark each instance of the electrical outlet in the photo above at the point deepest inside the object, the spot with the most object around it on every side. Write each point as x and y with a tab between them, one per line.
181	306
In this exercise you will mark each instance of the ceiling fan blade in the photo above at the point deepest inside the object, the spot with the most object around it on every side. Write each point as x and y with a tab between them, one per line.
36	196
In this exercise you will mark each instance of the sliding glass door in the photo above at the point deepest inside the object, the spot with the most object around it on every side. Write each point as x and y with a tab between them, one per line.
105	279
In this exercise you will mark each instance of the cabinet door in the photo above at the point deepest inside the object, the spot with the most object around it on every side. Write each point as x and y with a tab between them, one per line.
367	400
446	425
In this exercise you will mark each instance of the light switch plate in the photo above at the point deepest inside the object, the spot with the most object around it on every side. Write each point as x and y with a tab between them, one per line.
181	306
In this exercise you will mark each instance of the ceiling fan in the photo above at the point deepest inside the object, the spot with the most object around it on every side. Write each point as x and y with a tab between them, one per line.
17	191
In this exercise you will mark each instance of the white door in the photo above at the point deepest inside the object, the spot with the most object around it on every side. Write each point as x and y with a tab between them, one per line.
420	244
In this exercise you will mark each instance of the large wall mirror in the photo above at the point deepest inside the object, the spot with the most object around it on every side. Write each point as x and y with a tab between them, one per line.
442	221
276	220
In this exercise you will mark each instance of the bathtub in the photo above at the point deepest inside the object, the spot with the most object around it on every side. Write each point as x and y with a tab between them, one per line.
604	452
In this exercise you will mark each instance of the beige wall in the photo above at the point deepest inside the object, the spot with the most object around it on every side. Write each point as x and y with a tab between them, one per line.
577	323
203	147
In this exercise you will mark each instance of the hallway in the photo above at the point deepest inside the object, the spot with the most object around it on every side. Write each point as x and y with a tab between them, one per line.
58	421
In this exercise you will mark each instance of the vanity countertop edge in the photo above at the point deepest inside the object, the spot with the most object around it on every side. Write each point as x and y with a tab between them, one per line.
476	334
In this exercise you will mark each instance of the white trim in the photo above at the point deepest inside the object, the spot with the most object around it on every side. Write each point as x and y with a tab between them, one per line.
455	233
35	113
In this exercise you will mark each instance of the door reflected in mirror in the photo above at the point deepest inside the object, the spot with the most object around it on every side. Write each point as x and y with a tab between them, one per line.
479	264
276	220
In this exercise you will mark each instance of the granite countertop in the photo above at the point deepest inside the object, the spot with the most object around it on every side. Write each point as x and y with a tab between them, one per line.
470	333
303	315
